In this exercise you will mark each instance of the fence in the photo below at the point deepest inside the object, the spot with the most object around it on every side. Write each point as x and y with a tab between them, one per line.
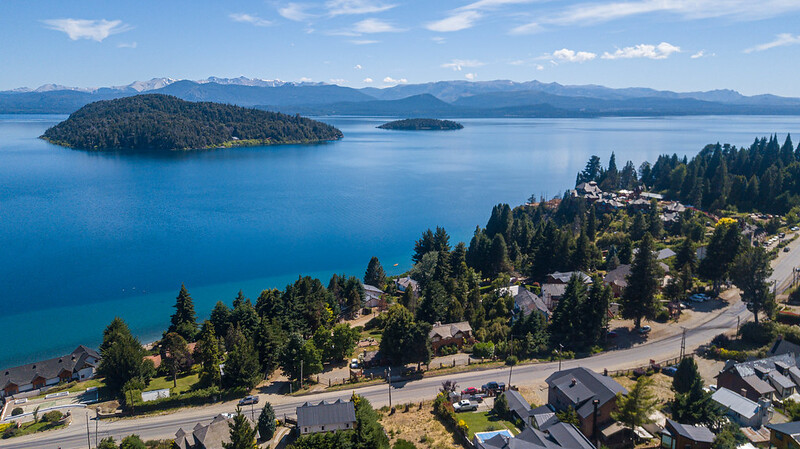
662	363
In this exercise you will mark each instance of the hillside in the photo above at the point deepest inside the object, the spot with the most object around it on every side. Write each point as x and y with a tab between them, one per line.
161	122
422	124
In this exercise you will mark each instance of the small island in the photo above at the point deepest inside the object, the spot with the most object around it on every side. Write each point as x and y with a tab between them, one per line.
163	122
422	124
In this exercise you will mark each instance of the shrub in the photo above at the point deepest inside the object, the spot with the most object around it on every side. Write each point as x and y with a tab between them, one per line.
366	311
448	350
378	322
17	411
758	334
483	350
501	406
511	360
10	432
721	341
53	416
786	317
403	444
662	316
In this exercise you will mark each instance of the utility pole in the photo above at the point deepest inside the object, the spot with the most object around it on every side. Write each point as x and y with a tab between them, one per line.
88	434
510	369
301	373
683	344
738	318
390	387
559	355
96	421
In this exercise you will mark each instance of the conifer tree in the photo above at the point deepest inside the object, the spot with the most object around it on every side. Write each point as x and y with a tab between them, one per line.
241	365
184	320
375	276
243	436
635	408
639	298
266	422
208	354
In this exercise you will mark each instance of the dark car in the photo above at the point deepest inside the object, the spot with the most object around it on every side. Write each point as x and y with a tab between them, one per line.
494	387
612	334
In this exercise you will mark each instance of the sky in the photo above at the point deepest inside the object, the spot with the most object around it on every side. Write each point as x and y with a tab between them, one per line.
681	45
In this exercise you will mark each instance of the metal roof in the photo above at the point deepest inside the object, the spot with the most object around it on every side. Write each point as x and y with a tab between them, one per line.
735	402
700	434
325	413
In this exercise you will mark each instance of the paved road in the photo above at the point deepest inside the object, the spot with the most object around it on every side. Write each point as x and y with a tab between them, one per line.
165	426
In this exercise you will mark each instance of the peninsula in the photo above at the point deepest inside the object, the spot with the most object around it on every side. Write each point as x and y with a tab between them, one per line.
422	124
163	122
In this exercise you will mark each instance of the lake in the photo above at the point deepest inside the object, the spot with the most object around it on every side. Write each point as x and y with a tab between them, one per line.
88	236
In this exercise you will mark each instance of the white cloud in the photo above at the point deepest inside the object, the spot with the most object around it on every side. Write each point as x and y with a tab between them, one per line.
96	30
456	22
470	76
251	19
539	67
368	80
363	41
296	12
490	4
346	7
358	67
568	55
660	51
592	13
338	81
305	80
127	45
369	26
781	40
517	62
458	64
438	39
702	54
390	80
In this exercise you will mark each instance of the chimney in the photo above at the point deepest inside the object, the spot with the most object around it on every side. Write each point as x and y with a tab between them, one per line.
743	392
574	382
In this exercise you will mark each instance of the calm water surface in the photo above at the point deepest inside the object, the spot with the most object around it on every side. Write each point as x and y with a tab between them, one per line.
87	236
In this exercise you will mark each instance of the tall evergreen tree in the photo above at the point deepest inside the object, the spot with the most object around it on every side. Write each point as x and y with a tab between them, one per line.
184	320
639	298
566	325
375	276
594	313
220	318
121	357
751	271
208	354
241	365
635	408
176	355
266	422
242	435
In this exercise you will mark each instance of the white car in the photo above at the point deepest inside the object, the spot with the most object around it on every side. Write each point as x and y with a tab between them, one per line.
645	329
465	405
354	364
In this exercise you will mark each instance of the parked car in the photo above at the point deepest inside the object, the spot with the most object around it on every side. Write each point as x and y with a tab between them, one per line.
795	228
670	371
354	364
786	249
782	235
698	297
645	329
465	405
469	391
475	397
247	400
494	387
612	334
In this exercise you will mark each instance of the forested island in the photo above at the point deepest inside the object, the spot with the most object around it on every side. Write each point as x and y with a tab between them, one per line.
422	124
163	122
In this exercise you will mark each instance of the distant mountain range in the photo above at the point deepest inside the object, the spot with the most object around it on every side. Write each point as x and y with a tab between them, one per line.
500	98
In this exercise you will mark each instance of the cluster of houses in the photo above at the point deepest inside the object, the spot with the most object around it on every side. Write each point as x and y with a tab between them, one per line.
80	364
634	200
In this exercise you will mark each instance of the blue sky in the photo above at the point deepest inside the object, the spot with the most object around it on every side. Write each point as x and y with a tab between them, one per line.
747	45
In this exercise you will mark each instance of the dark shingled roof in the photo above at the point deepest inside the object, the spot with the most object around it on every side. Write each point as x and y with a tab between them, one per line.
325	413
587	387
517	404
528	301
788	428
48	369
699	434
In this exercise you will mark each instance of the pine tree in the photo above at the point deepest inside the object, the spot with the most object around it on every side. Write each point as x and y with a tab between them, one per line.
241	365
243	436
639	298
751	271
692	404
121	357
594	313
566	323
686	254
220	318
132	442
375	276
208	354
266	422
184	320
639	227
686	375
635	408
176	355
498	255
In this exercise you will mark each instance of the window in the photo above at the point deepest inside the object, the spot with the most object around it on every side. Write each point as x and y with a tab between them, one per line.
323	428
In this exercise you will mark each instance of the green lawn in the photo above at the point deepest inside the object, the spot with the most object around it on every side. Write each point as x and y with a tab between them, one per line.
31	427
73	388
185	383
485	421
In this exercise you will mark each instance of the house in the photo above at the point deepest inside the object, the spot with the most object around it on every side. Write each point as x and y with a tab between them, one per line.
326	417
526	302
373	297
617	279
404	283
586	188
741	410
754	380
557	436
665	254
80	364
579	388
651	196
552	294
784	435
783	346
684	436
518	406
564	277
210	436
450	334
372	358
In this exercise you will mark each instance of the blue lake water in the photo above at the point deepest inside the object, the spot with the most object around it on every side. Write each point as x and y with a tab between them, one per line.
87	236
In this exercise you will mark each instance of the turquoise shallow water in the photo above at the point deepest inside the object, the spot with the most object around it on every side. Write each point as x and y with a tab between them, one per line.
87	236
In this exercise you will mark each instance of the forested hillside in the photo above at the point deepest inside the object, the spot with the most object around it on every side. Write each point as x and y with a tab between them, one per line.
417	124
161	122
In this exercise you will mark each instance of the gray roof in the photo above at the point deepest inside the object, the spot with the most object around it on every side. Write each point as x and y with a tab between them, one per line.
735	402
528	301
699	434
618	275
325	413
517	404
780	380
782	346
588	385
746	369
372	289
542	417
568	436
49	369
449	330
554	290
564	277
788	428
665	253
210	436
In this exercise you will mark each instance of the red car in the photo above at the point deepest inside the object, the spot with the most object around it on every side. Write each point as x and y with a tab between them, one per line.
470	390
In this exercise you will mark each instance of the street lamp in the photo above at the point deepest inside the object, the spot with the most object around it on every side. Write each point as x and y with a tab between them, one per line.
559	355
